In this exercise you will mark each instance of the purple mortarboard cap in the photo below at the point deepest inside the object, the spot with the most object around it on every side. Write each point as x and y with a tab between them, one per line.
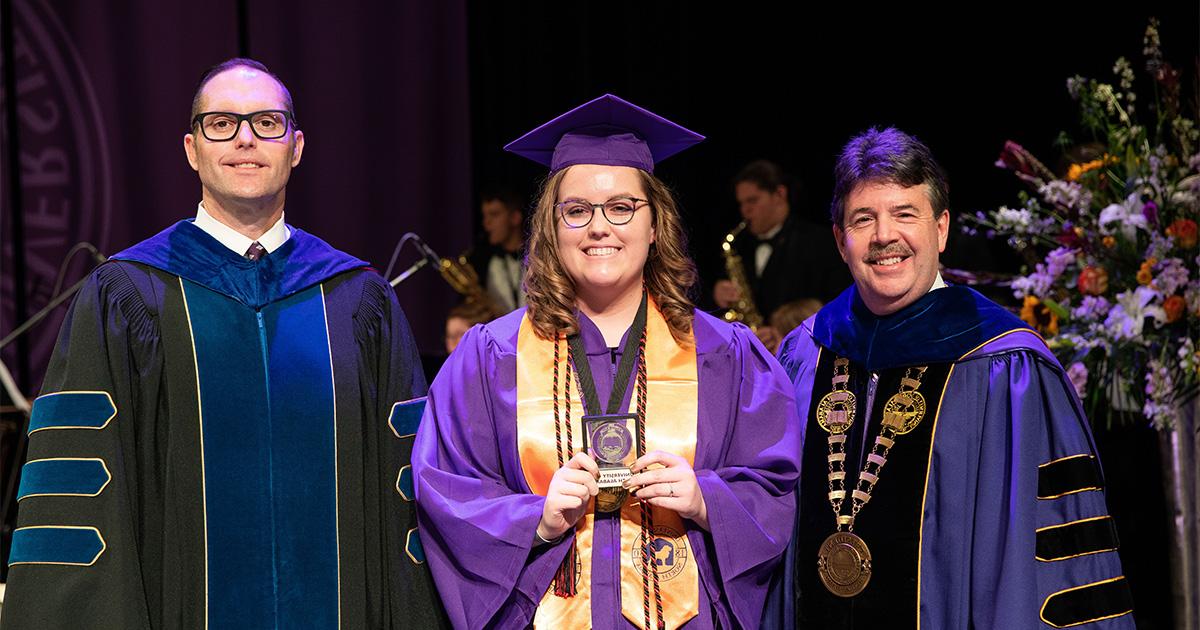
608	131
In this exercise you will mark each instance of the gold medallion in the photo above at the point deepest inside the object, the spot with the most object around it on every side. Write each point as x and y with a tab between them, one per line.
835	412
844	564
611	499
904	411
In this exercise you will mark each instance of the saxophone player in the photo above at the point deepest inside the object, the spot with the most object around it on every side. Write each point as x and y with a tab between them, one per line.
785	256
498	262
490	276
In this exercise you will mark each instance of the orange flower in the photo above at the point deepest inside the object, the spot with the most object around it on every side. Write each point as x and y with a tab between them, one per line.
1039	316
1174	307
1093	281
1184	232
1075	171
1145	274
1028	314
1109	242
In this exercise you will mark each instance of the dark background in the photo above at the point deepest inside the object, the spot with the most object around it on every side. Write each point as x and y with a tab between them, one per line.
406	105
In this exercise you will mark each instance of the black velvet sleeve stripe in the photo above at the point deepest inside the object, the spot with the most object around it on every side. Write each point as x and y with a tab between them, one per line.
1068	475
1091	602
1077	538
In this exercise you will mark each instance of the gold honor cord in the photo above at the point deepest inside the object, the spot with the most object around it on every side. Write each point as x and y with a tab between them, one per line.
844	560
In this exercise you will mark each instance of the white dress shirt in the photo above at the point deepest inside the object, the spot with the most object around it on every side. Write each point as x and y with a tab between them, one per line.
236	241
763	252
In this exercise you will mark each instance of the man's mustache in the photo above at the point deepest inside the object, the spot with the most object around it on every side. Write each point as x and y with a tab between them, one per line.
888	251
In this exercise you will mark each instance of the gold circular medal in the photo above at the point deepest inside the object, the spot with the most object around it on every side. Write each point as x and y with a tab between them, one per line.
908	409
844	564
827	405
611	499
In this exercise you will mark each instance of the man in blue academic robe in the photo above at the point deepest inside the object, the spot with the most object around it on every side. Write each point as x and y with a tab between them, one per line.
948	475
212	446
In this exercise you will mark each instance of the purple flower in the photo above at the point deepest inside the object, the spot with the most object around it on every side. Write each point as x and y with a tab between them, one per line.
1150	211
1172	274
1160	246
1078	373
1058	260
1092	307
1039	282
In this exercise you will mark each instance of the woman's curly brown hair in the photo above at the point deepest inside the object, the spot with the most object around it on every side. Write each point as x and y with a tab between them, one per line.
670	275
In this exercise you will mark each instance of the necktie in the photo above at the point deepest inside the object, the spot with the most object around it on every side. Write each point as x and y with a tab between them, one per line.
256	251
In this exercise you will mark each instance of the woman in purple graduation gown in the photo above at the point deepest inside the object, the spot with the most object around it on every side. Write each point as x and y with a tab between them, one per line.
609	457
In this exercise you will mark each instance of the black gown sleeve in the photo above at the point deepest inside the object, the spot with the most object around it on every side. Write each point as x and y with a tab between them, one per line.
76	558
392	369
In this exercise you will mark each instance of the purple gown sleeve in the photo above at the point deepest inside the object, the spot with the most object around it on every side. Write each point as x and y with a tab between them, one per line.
477	516
747	471
1033	417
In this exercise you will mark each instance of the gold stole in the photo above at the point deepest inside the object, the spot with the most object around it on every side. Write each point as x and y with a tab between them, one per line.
671	407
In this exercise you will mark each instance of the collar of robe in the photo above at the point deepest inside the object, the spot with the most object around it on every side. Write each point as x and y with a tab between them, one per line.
190	253
941	326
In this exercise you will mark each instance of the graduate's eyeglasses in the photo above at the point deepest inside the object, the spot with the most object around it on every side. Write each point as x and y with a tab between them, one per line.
577	213
269	124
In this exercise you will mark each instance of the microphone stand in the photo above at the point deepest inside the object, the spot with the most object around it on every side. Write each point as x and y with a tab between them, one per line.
40	315
427	256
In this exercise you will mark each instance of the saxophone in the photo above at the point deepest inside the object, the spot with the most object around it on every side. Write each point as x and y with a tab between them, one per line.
744	310
461	276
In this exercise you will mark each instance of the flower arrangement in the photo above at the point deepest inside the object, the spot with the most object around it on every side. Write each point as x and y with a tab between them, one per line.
1111	279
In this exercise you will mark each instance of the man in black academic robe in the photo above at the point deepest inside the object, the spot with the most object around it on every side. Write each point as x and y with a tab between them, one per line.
222	438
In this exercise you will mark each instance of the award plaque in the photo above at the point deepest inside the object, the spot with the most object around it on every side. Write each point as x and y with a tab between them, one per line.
609	440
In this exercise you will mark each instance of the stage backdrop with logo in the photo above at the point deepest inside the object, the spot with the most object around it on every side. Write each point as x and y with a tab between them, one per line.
102	95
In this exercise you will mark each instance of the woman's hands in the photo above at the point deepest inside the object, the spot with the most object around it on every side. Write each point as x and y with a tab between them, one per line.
673	486
567	497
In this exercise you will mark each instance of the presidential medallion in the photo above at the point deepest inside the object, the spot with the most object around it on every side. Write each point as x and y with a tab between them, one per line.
844	564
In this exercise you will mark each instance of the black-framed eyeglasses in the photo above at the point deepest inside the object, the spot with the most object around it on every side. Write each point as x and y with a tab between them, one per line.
577	213
268	124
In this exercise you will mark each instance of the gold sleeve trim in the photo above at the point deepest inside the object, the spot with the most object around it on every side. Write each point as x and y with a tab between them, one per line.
1078	555
1003	334
1042	612
1063	459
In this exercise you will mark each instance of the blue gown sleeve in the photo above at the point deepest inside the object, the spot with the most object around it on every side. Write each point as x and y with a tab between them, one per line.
1044	549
